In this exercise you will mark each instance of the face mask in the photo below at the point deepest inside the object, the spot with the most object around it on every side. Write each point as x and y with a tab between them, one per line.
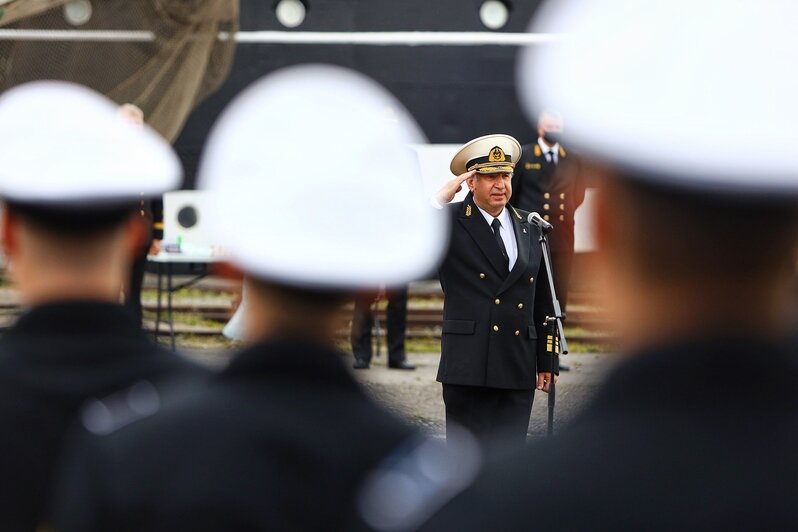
552	137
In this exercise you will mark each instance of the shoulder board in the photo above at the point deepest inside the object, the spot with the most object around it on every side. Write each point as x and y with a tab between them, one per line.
105	416
407	470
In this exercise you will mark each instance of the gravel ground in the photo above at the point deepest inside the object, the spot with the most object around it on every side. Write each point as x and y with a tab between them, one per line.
416	396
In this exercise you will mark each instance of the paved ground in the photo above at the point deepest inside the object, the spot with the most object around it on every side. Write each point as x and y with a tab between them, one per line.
416	395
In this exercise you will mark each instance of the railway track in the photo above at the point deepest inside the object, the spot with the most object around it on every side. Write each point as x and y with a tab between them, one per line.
205	308
586	322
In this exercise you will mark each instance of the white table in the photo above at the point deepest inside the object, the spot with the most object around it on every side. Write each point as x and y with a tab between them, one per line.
200	268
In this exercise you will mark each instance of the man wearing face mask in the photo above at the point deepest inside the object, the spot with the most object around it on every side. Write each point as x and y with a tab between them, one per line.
548	180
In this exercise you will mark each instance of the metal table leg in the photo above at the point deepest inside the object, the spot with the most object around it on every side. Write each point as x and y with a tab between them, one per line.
158	303
169	300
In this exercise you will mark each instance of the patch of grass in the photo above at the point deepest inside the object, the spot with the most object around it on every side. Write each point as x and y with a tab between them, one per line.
187	293
204	341
412	345
423	345
344	345
185	319
576	331
194	319
579	347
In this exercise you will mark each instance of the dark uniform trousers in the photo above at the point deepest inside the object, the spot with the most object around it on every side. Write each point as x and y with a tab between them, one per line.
396	321
493	339
680	436
492	414
57	357
282	439
554	191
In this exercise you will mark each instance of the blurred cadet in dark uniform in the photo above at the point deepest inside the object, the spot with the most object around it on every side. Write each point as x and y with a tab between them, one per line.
151	210
71	178
285	436
396	325
493	342
698	426
549	181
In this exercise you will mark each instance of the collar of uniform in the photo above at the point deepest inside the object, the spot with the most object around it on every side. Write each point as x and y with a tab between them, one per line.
504	217
282	357
546	148
76	318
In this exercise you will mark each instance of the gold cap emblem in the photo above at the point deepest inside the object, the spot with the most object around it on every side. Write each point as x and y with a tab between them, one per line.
496	155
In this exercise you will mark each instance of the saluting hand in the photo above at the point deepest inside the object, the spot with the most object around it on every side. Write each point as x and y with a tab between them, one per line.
544	381
452	187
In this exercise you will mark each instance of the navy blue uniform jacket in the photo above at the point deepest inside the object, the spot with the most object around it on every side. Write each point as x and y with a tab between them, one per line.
493	333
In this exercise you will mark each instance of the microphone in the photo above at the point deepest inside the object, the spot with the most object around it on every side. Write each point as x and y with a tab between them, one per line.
534	218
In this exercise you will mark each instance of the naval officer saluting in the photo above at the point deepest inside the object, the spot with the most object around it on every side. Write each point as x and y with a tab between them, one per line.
696	427
493	341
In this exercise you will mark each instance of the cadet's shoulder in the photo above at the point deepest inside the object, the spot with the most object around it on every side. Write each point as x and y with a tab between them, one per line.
174	387
182	365
406	470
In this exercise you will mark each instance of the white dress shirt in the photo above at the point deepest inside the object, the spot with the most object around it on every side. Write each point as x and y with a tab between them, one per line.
555	150
506	232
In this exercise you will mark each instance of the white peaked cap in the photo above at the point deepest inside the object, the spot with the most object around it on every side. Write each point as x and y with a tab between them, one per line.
695	93
313	183
64	144
479	151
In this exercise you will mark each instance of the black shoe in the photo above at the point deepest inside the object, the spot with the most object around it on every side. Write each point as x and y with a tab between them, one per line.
360	364
565	367
404	364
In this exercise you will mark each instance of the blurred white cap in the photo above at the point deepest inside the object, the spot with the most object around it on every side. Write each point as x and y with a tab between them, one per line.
313	183
64	144
695	93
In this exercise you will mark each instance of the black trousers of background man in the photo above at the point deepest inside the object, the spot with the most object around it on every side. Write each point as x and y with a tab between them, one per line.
133	291
363	322
562	264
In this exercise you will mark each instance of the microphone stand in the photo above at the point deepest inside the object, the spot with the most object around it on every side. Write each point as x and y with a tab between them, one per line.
559	344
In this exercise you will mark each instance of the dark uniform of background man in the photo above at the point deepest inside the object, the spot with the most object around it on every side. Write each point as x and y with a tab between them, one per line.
395	326
284	437
495	301
548	180
71	180
151	210
698	427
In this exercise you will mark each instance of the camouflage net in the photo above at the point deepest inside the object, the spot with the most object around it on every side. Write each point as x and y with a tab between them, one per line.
164	56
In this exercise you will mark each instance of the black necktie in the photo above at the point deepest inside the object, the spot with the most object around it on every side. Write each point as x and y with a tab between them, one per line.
496	224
